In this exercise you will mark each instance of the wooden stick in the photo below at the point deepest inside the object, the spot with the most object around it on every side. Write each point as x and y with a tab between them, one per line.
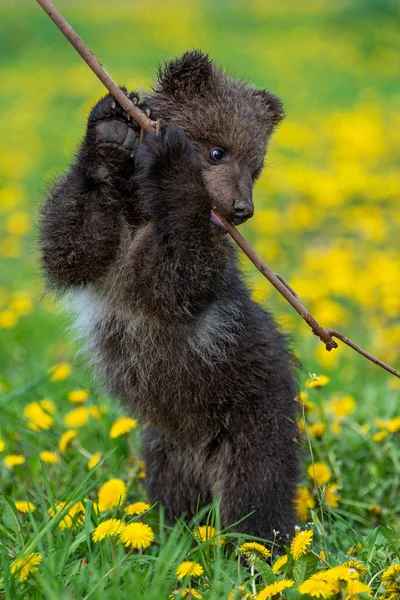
325	335
279	283
96	66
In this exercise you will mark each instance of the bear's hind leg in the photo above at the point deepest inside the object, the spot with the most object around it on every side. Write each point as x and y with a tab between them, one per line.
255	474
173	477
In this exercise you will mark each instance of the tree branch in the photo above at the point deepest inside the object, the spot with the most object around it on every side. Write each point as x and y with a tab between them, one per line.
325	335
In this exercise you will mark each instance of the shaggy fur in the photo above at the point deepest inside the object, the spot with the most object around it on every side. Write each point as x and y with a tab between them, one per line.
159	297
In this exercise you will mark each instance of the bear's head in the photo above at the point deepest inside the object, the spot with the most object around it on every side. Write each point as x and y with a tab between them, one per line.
229	122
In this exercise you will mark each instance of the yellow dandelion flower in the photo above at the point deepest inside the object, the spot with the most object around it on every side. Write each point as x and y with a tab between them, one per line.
336	428
96	509
48	405
206	533
78	396
137	535
24	506
112	493
355	564
322	554
76	508
94	412
108	528
320	473
21	307
11	196
38	417
393	425
316	588
352	551
355	587
318	381
305	402
122	426
375	509
190	592
10	247
342	407
391	576
94	460
275	588
189	568
13	460
72	518
142	466
66	440
300	543
331	496
22	303
77	418
380	436
2	445
137	508
336	574
301	424
24	566
341	573
260	292
18	223
317	430
304	502
49	457
60	372
253	550
233	595
8	319
278	564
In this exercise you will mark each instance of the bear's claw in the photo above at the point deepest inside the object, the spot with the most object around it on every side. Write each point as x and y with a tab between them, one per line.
113	126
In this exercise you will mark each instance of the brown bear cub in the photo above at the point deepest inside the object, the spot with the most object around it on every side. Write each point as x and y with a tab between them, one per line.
159	297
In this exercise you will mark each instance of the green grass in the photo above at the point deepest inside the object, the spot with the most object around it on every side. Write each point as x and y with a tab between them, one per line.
327	219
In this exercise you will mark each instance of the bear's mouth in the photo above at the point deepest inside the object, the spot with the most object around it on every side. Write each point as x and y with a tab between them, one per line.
217	221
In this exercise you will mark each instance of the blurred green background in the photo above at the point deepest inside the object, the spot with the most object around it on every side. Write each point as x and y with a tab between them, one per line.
327	219
327	206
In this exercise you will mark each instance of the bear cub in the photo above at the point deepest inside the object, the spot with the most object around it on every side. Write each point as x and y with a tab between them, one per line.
159	299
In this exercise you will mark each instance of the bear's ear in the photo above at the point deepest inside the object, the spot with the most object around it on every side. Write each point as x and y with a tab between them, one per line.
271	105
188	75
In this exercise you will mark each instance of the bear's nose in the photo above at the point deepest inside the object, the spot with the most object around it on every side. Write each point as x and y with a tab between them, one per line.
242	210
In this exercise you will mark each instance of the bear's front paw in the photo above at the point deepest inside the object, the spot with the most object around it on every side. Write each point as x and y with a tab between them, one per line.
168	171
111	126
170	153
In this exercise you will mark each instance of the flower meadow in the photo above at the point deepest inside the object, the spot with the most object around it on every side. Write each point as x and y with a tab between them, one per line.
75	521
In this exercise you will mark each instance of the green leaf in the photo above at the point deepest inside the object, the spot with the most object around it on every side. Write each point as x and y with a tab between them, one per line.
77	542
266	571
10	518
293	594
318	524
375	540
304	567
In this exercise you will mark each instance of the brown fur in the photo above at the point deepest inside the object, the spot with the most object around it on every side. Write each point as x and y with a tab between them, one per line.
160	301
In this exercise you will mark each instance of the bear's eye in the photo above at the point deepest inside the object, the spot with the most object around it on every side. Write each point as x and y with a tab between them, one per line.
217	154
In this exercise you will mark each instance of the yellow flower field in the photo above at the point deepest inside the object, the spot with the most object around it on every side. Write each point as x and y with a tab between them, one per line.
75	521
